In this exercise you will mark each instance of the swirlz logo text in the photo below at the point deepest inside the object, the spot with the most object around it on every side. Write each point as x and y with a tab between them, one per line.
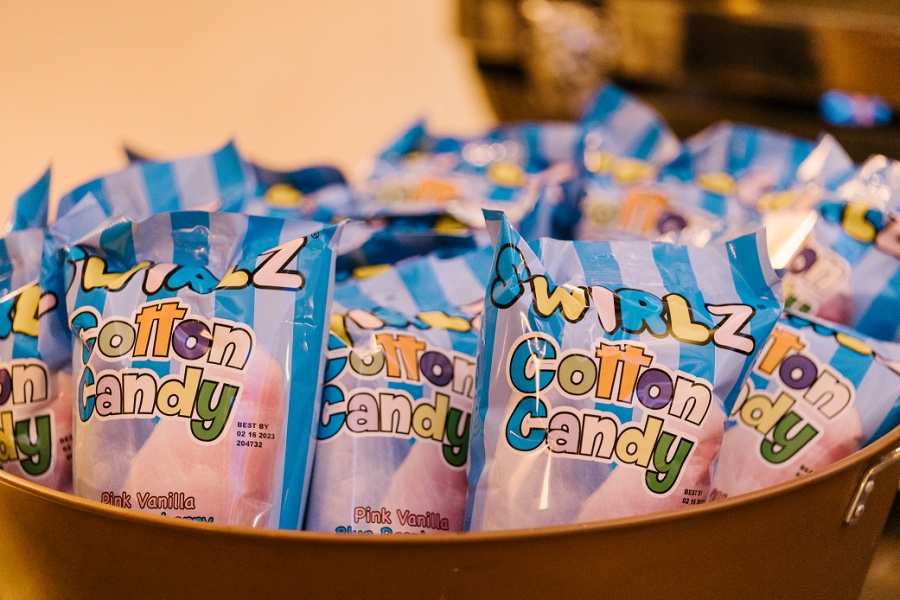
212	354
620	374
625	310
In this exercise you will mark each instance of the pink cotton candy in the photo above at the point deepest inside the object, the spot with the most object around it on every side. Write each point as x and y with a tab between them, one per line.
740	468
625	495
230	483
838	308
424	484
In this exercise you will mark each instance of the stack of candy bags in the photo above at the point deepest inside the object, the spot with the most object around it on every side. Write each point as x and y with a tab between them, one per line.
547	324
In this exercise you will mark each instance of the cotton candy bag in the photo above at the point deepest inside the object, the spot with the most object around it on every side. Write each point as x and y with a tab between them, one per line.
670	211
817	393
197	364
317	193
620	133
620	141
215	180
559	436
394	430
748	160
848	269
419	173
35	399
623	149
35	389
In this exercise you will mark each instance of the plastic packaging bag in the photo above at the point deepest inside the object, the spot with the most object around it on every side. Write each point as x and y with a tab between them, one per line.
197	364
316	193
31	207
508	168
740	159
848	269
606	371
214	181
378	243
394	432
35	386
668	211
620	134
623	146
35	397
817	393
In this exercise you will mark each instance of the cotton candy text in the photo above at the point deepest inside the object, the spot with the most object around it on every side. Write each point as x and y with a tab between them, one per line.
776	415
627	310
434	414
620	374
23	384
211	354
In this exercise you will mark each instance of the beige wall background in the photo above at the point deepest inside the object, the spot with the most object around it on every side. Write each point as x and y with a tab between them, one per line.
294	83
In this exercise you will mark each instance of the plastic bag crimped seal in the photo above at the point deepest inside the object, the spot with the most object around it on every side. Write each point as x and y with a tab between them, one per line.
393	437
31	207
818	392
216	180
197	364
606	371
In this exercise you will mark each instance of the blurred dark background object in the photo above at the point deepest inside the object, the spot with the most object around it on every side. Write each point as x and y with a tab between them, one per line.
763	62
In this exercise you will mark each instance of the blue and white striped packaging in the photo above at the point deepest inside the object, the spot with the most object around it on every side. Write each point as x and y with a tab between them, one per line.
35	393
419	173
198	364
622	144
218	180
36	404
55	339
30	208
762	167
376	243
734	152
214	181
876	182
422	174
847	271
817	393
827	166
316	193
796	188
616	125
605	373
550	159
393	437
667	211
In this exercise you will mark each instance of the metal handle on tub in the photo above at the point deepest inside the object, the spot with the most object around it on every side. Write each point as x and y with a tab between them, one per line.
866	485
